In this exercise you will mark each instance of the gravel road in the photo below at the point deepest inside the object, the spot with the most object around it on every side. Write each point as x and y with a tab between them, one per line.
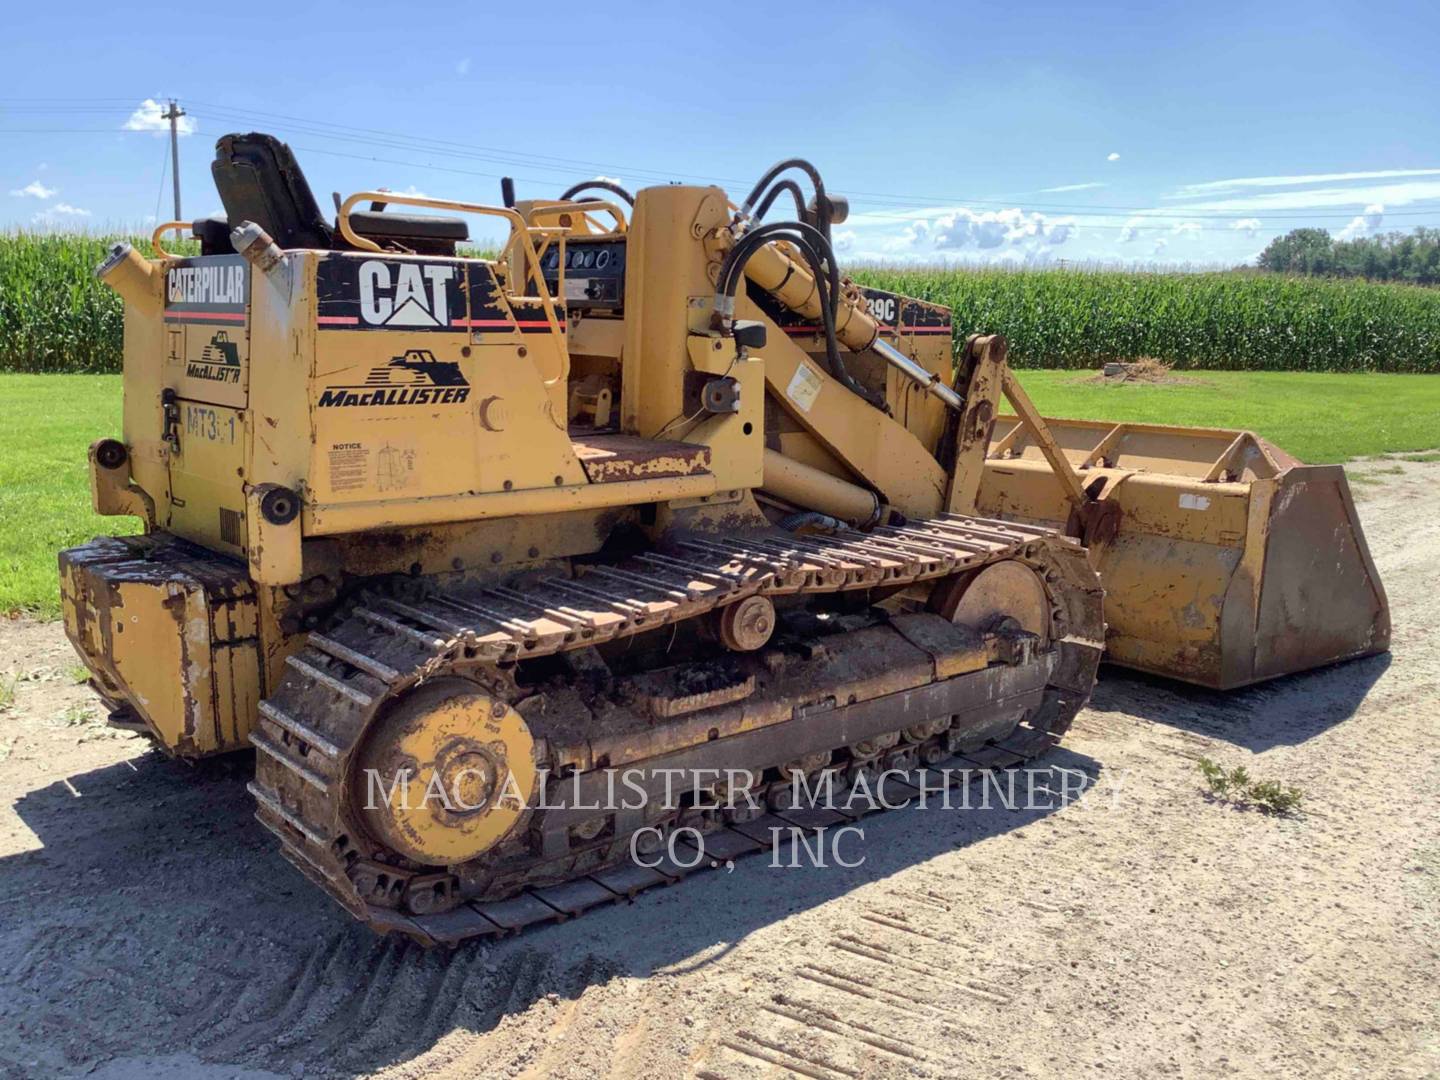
149	928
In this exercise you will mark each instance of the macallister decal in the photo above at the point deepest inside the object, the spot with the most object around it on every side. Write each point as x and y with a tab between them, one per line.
416	378
219	361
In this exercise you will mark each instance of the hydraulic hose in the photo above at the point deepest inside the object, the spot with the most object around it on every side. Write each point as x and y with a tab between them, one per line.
827	286
598	185
775	192
817	252
822	204
791	283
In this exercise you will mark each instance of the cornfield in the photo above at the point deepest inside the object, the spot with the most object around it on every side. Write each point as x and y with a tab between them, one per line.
54	315
1232	320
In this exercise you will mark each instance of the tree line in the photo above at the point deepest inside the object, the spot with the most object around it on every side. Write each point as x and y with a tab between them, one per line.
1413	258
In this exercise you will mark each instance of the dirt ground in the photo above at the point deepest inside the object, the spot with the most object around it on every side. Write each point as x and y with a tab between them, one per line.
149	928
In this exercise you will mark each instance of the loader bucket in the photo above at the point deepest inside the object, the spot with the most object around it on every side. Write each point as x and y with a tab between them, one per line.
1229	562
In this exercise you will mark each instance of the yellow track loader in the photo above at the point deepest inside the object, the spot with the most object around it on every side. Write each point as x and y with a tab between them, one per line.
480	555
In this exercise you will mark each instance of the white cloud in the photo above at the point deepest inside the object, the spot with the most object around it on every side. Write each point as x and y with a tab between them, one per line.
1131	229
607	179
936	233
1315	198
1160	245
463	67
1187	228
58	213
1213	187
997	228
1249	226
148	118
35	190
845	240
1071	187
1365	224
1112	157
412	190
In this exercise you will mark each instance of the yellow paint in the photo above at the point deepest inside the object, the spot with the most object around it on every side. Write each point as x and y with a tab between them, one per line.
466	464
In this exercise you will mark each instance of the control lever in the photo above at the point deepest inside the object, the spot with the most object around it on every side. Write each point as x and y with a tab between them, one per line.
170	427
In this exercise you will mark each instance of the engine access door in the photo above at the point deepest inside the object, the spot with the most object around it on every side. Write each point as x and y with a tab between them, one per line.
207	366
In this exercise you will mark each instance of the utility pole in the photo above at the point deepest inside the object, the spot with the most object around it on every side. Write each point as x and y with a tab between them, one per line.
173	113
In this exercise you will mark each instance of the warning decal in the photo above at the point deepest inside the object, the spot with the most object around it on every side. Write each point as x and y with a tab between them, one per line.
804	387
349	466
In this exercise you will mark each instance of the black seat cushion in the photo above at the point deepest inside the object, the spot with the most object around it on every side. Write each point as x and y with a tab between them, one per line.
213	234
388	224
259	180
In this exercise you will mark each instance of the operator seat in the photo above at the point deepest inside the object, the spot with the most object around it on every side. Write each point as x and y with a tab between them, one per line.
259	180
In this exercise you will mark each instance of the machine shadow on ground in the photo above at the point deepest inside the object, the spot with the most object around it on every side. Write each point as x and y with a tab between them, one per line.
1281	712
260	969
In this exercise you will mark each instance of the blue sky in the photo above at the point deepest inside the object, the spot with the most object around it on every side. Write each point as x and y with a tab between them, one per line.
963	132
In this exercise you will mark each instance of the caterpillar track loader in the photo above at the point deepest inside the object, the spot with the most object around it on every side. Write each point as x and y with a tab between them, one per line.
453	542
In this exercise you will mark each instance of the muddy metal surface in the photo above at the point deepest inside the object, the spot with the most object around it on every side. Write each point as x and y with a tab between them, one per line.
148	927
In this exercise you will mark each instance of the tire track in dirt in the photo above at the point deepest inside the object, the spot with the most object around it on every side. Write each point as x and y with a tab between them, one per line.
1145	931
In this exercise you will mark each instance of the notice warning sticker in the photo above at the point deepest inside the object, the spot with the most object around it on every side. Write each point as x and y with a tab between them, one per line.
349	466
804	387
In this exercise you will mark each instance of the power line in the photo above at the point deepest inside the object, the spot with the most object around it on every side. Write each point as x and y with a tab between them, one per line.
160	191
547	163
461	148
400	141
897	215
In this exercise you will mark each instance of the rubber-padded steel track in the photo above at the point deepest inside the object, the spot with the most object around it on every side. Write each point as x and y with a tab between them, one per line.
332	690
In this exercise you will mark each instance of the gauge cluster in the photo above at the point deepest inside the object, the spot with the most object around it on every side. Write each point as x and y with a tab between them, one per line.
594	273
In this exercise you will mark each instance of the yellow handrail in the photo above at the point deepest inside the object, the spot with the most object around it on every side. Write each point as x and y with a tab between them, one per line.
570	206
518	229
160	230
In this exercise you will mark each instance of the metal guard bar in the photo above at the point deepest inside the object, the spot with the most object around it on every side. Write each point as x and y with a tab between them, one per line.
161	230
519	230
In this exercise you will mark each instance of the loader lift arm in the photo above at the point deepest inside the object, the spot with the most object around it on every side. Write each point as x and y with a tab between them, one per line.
1225	561
772	264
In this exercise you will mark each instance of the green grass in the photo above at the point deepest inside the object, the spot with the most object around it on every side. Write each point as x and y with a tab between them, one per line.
1080	318
1317	416
47	422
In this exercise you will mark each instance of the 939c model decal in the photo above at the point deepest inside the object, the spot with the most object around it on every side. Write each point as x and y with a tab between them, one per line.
894	314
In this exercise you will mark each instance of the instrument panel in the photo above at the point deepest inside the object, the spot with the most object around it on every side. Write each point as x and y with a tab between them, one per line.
594	273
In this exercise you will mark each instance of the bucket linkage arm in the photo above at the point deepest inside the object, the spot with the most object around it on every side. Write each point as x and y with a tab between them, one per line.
1091	519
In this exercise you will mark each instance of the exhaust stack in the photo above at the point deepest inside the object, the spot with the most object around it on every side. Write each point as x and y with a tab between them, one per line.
134	278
